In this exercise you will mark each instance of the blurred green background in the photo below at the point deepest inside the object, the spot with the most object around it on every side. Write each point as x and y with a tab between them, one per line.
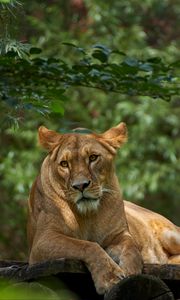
148	165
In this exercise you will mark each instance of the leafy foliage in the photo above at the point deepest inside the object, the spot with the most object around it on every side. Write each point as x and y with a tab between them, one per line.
39	83
48	288
34	83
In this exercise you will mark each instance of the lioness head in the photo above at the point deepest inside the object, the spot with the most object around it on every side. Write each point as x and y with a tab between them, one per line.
79	166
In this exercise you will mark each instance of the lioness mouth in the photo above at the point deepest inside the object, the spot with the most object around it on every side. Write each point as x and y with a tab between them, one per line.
87	199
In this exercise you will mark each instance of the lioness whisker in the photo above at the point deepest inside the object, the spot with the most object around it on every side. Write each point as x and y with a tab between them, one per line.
105	190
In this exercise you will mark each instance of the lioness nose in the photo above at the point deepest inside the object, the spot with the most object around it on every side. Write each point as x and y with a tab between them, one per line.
81	185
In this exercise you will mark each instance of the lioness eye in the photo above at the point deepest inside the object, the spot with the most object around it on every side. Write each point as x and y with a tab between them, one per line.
93	157
64	164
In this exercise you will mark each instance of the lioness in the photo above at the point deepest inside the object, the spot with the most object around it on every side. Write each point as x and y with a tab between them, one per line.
76	211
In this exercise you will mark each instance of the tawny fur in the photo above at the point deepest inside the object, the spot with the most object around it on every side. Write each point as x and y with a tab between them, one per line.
112	237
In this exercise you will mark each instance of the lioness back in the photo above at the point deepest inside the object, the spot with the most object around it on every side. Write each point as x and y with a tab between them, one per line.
156	236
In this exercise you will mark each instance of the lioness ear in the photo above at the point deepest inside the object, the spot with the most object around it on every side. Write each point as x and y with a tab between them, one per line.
116	136
48	139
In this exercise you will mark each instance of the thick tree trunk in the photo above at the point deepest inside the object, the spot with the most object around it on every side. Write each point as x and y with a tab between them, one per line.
140	287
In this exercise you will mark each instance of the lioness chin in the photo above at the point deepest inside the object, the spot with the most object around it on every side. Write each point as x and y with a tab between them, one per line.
76	211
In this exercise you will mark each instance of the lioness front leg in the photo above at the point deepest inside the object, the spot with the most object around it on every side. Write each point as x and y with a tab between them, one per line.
124	252
105	272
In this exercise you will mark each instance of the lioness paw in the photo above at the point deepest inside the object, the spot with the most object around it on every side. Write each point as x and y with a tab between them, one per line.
106	282
105	278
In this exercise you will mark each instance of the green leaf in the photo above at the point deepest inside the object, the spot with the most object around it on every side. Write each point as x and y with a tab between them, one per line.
5	1
56	107
155	60
101	56
55	93
94	73
146	67
132	62
102	47
101	52
35	50
69	44
118	52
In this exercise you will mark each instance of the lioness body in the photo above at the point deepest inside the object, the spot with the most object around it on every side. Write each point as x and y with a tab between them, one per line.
157	238
76	211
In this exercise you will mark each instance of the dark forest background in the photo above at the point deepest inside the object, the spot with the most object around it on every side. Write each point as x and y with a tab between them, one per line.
148	165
